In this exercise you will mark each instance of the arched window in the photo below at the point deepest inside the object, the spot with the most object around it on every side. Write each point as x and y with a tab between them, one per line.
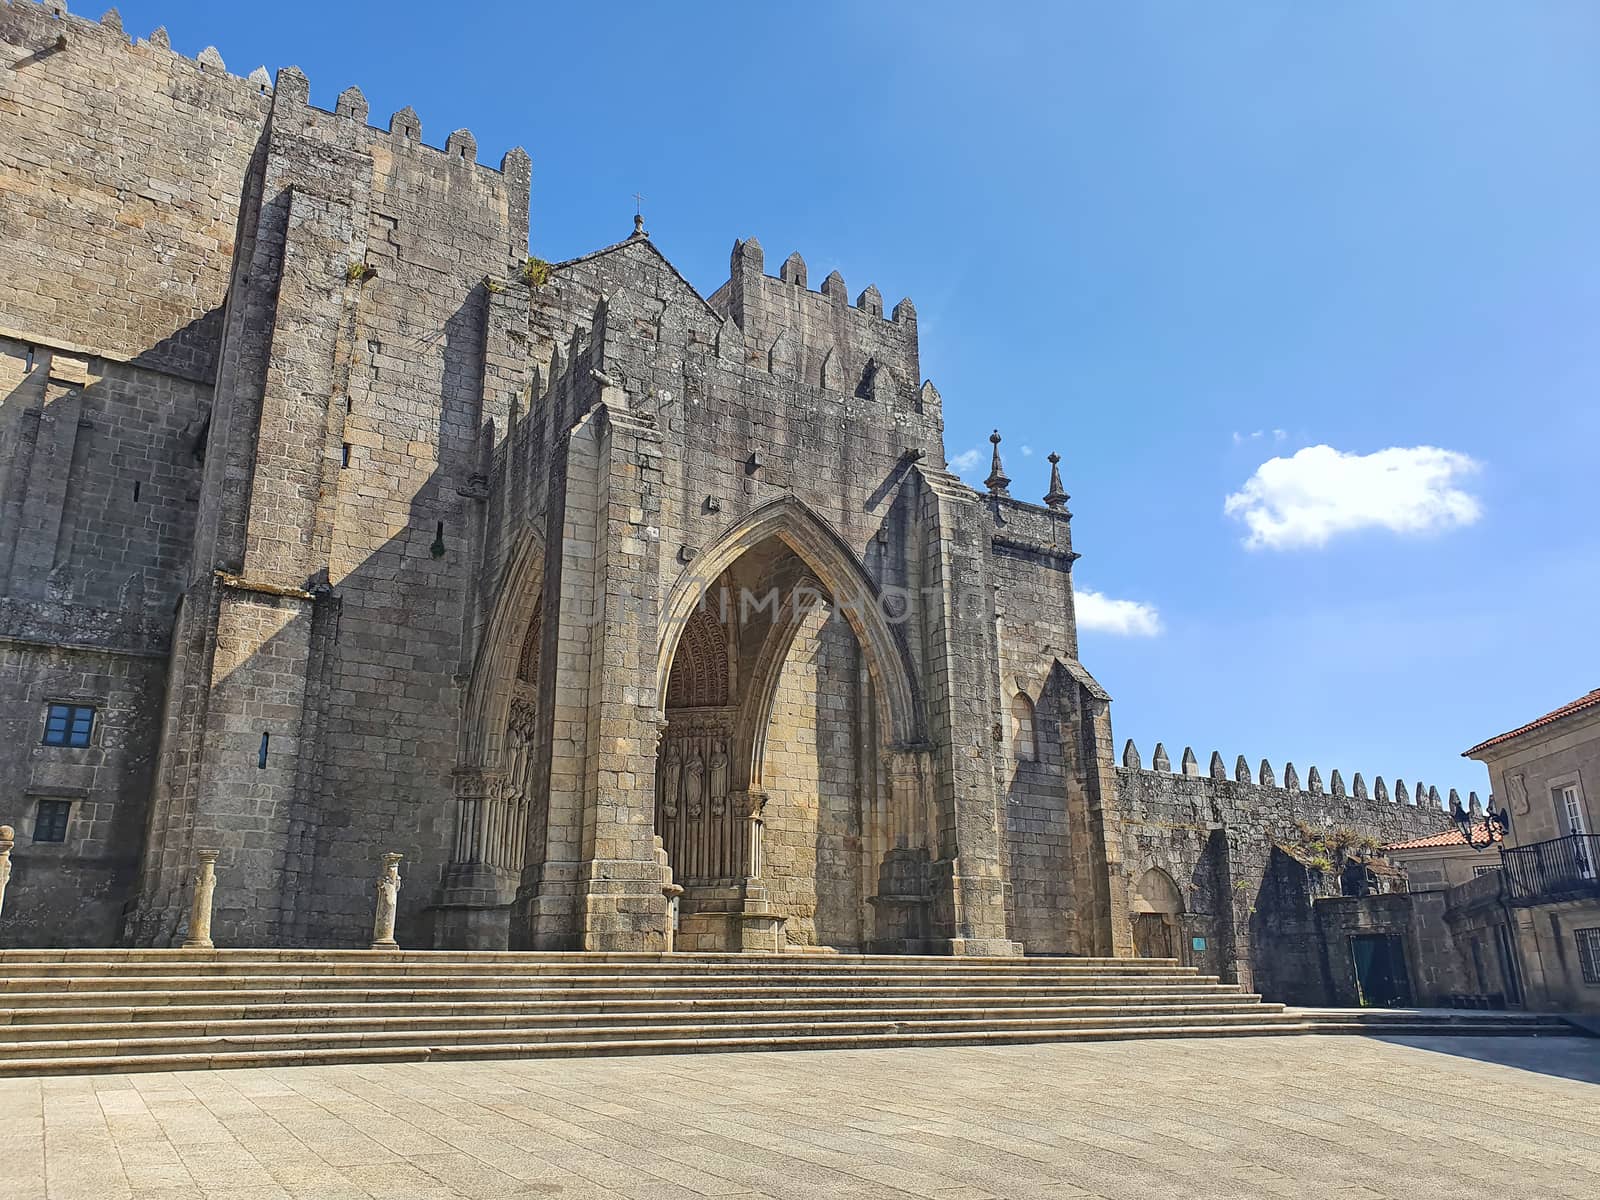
1024	737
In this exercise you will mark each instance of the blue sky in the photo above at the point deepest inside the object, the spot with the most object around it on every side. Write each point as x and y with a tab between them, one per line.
1173	242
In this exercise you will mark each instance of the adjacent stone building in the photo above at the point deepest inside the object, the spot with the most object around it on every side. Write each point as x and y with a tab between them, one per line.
337	525
1530	931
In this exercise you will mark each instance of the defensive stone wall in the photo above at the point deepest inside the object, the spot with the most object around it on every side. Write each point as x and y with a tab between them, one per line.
818	337
1217	835
122	164
373	351
120	172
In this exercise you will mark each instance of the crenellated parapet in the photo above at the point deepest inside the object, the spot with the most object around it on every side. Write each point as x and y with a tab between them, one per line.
1240	795
1247	849
1265	776
820	337
48	29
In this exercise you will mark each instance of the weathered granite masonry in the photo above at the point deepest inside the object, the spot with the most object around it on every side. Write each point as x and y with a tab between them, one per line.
1205	848
363	533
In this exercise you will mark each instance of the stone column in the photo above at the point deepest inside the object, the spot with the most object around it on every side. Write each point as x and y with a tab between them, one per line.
8	838
753	805
205	885
388	902
758	927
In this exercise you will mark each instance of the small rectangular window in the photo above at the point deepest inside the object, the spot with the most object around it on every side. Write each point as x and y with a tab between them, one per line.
1589	953
50	820
344	458
68	725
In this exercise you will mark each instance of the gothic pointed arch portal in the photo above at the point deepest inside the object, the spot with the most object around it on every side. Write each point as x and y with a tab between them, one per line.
862	603
497	800
791	790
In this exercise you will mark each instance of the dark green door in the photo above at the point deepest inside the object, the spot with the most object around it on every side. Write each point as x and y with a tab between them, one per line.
1381	977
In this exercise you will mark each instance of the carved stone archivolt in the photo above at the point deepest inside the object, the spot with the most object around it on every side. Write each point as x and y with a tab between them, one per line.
528	660
699	676
493	807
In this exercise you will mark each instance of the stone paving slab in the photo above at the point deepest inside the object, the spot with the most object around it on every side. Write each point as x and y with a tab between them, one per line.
1350	1117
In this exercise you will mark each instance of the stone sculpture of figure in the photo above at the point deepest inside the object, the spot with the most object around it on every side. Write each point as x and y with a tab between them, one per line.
388	902
719	779
694	773
669	794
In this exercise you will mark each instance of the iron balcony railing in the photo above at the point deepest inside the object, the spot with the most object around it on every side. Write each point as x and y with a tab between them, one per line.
1559	869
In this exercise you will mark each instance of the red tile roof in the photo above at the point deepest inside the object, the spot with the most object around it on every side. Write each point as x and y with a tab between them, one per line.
1566	710
1450	837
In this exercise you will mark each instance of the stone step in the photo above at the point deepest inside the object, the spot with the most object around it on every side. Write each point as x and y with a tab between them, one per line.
216	1024
167	1010
372	969
192	1059
108	991
325	1040
568	958
1426	1027
1434	1021
227	1007
99	1064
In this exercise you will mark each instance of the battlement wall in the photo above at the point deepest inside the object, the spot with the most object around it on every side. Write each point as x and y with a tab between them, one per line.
122	164
1257	798
121	216
1245	852
819	337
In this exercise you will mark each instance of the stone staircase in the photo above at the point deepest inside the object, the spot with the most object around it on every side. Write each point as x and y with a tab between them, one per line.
77	1011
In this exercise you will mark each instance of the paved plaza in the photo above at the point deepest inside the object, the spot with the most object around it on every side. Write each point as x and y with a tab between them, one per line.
1309	1116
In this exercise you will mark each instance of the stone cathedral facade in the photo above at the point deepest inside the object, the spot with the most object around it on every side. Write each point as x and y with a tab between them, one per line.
335	525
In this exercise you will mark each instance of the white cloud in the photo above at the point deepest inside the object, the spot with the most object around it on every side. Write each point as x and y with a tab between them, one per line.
966	461
1319	492
1125	618
1027	452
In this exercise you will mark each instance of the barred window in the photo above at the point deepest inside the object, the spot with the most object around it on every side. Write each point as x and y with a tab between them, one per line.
1589	953
50	820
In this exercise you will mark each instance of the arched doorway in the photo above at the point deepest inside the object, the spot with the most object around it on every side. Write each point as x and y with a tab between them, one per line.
793	801
1157	907
498	797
